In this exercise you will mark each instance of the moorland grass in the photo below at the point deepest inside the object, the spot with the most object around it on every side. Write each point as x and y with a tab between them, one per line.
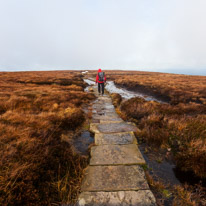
37	109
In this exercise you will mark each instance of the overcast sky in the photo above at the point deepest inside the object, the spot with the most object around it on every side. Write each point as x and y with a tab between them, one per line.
153	35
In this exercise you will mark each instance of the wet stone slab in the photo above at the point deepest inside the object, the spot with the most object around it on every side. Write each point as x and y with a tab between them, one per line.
116	155
107	116
103	110
103	106
109	106
113	127
120	198
111	121
95	121
115	138
114	178
102	102
103	98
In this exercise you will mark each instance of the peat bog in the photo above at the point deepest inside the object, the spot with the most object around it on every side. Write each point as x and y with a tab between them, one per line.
40	113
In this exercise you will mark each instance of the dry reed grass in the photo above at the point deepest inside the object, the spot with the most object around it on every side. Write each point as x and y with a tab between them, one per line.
169	126
182	195
37	167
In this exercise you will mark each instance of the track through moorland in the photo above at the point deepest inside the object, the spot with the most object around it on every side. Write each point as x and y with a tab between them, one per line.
115	175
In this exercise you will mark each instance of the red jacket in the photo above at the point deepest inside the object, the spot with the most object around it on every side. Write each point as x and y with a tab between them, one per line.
97	77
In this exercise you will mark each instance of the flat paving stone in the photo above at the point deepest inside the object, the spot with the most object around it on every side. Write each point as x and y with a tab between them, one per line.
105	101
103	106
113	127
103	110
120	198
109	117
116	155
109	106
95	121
111	121
115	138
104	98
114	178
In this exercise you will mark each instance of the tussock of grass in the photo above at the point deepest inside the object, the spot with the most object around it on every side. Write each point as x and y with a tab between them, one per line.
182	195
164	125
116	99
37	166
189	195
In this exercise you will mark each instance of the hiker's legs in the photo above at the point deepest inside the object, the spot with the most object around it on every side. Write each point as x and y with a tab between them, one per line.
102	88
99	88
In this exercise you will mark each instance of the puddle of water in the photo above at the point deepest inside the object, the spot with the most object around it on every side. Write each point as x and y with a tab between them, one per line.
188	177
126	94
112	88
168	172
82	142
163	170
90	83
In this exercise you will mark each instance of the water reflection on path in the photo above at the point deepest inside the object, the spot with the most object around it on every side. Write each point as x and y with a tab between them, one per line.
126	94
89	82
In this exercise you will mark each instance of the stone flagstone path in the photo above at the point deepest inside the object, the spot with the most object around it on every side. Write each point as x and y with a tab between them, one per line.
114	175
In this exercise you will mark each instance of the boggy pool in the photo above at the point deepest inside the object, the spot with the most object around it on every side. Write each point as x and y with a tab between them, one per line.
126	94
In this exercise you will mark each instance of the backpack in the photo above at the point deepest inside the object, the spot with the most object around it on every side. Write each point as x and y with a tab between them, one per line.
101	76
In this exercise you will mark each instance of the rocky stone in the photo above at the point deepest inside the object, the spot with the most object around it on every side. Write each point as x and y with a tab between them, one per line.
113	127
111	121
95	121
94	111
120	198
106	116
115	138
103	106
114	178
116	155
104	98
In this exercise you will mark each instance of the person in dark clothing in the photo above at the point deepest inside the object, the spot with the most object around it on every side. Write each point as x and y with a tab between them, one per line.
100	79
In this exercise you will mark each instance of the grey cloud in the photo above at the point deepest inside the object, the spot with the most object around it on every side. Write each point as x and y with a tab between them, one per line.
112	34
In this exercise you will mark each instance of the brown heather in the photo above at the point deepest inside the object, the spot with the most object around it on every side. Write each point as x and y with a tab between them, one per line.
178	195
179	125
38	166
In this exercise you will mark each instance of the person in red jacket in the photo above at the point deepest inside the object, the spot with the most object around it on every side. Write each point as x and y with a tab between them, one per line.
100	79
